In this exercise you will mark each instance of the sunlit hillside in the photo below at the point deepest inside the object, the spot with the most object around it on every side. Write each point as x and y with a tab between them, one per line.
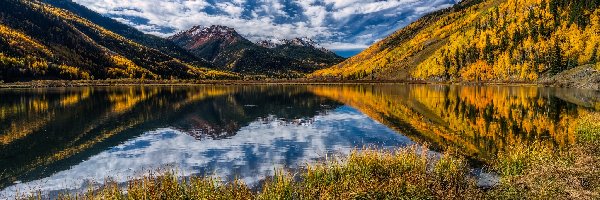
485	40
39	41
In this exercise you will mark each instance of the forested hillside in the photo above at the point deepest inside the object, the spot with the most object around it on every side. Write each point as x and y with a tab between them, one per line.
39	41
485	40
128	32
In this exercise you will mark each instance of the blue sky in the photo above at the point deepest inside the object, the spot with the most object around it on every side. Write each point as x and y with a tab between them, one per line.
345	26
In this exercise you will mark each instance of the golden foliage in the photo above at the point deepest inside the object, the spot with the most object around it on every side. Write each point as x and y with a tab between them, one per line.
480	121
494	40
21	41
125	68
72	73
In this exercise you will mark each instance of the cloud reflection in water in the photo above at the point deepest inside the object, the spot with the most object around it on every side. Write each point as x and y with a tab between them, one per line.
251	154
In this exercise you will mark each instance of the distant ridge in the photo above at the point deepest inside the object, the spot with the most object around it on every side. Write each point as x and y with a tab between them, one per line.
298	42
228	50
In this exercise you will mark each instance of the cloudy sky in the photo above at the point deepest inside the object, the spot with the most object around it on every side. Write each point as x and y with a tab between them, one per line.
342	25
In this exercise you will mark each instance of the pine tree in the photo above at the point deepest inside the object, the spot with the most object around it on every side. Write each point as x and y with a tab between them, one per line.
557	63
594	58
554	4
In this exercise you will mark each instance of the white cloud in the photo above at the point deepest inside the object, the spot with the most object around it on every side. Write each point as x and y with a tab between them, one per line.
349	23
344	46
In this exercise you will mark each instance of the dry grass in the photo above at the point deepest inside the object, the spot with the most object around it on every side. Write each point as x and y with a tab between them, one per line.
539	172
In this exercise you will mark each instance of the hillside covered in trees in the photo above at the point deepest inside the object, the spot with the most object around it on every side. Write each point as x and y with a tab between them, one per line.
128	32
39	41
485	40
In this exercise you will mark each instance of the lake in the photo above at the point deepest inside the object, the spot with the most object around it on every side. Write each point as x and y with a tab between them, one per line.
70	138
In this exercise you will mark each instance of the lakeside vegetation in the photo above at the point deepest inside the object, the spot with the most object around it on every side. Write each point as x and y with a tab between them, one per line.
526	172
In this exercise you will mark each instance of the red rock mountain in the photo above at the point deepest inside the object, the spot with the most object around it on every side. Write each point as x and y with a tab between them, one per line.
228	50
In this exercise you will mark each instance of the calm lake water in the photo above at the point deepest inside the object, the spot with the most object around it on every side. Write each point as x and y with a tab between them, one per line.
56	139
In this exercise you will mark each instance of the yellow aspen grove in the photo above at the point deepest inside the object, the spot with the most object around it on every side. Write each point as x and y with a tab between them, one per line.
505	40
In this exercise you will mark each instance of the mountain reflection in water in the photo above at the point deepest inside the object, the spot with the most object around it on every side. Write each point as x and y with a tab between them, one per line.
53	139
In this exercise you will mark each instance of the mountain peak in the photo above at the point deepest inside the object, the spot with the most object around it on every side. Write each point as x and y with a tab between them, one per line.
214	31
200	35
228	50
301	41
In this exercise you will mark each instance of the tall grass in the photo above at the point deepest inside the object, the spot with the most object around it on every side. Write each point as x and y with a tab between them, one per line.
588	128
537	171
407	173
372	174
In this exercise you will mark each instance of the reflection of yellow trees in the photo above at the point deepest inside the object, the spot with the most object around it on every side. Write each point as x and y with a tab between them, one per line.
398	110
124	100
75	97
478	120
203	93
74	148
120	101
37	114
31	115
522	108
21	129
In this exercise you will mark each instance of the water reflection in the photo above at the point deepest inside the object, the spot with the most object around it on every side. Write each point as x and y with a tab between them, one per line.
477	120
60	138
252	154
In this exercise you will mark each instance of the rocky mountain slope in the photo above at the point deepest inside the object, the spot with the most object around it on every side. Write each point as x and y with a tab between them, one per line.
228	50
484	40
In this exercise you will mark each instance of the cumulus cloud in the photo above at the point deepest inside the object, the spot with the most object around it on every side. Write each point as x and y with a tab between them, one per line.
349	24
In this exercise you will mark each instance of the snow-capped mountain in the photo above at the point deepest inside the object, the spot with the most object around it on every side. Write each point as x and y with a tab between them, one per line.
228	50
302	42
200	35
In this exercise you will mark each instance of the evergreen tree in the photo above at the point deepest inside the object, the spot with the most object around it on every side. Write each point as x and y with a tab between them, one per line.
594	58
557	63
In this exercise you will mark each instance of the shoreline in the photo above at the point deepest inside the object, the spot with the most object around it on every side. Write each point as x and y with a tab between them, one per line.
134	82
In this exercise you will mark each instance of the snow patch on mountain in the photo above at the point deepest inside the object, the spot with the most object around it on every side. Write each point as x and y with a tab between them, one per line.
302	42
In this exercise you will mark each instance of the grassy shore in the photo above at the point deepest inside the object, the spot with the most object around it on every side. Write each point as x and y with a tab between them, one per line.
527	172
407	173
532	171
